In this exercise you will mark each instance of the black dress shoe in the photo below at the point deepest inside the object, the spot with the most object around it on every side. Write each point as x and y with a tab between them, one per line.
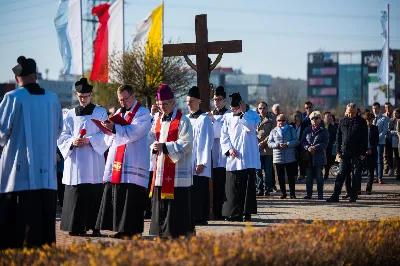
267	194
202	223
260	193
283	196
346	196
333	198
352	200
76	233
234	219
121	235
247	218
147	215
293	197
96	233
368	192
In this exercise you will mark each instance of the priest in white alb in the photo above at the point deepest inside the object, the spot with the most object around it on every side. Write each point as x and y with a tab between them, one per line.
30	123
126	172
239	143
171	139
82	146
201	155
218	158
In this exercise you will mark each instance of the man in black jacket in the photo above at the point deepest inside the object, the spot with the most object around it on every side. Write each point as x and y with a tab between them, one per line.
351	146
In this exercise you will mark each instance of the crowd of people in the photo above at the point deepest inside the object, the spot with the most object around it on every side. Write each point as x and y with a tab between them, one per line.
112	172
314	142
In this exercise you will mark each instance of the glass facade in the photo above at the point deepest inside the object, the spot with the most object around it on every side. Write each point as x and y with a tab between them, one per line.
350	85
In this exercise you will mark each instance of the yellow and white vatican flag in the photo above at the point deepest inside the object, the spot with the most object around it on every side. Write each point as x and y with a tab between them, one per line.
149	31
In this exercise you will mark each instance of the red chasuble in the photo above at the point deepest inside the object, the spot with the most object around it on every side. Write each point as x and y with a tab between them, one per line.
119	155
168	181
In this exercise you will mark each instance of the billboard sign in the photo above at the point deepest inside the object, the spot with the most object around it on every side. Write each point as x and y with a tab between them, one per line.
377	90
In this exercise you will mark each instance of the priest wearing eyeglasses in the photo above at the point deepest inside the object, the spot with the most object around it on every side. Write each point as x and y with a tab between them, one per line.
171	139
126	171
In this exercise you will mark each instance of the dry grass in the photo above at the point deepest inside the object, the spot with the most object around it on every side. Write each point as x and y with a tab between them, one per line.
319	243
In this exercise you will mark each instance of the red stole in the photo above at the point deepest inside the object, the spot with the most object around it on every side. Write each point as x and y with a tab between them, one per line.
168	181
119	155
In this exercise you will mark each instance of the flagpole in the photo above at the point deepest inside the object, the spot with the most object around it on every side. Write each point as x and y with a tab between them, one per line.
83	66
162	29
388	55
123	26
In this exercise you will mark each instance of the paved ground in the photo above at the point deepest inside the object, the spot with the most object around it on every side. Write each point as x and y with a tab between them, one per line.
383	203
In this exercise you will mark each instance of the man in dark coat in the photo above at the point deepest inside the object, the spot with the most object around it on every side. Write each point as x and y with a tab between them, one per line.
351	146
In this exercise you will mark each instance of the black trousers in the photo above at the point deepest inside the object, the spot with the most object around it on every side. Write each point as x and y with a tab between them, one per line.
372	160
60	189
290	169
27	218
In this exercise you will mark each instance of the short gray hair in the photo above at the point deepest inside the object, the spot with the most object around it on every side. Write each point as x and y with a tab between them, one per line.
276	106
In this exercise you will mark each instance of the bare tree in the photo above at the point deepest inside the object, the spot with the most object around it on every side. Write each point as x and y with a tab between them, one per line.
145	69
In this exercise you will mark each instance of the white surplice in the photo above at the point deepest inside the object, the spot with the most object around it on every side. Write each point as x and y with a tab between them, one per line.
29	127
180	151
219	158
203	137
83	165
240	134
153	156
135	165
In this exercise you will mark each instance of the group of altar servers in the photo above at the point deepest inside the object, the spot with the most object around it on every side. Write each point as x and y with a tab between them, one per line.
112	169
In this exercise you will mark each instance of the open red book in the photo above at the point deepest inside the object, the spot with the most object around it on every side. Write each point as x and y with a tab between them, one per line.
116	119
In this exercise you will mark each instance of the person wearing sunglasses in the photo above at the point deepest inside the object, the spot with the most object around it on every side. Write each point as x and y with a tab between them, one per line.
283	140
264	183
239	144
308	106
314	142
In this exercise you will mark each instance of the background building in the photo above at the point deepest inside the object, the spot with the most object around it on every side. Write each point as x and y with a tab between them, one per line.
337	78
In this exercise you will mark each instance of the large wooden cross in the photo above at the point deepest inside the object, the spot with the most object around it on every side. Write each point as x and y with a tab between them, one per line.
202	48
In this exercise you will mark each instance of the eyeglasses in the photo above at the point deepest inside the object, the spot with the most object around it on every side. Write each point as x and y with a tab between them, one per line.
281	120
218	99
262	108
125	99
164	104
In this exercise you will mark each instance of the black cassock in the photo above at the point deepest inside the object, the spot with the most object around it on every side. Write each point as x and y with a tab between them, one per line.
240	193
122	208
219	177
80	207
200	199
172	217
27	218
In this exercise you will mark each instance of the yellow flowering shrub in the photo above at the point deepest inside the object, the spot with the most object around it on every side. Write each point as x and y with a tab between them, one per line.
297	243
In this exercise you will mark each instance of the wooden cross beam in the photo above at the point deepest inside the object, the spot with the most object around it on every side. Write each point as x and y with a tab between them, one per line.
202	48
